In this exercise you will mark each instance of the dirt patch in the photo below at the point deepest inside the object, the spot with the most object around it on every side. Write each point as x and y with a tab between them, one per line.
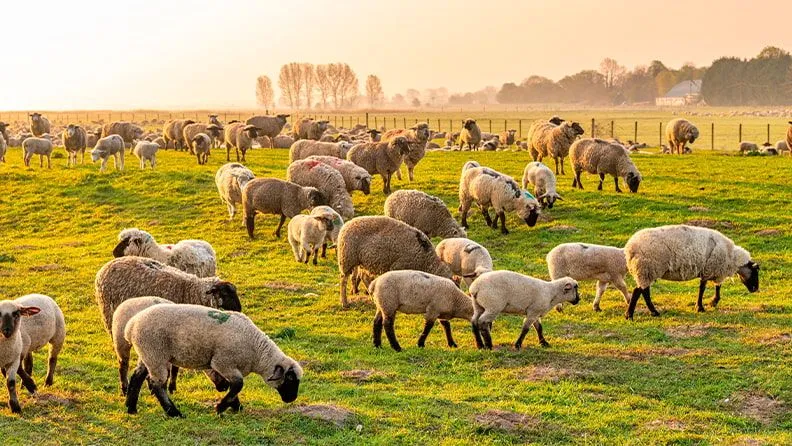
642	355
288	286
768	232
47	267
74	244
548	373
506	421
563	228
358	375
670	424
24	247
55	400
778	338
545	218
153	223
710	223
237	253
326	412
698	209
759	407
688	331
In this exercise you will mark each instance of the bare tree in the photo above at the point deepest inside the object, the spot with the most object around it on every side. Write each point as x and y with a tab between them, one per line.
309	82
374	91
264	94
612	71
323	83
291	83
343	84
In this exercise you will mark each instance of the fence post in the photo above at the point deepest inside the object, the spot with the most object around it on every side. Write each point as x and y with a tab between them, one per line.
375	122
438	124
712	136
505	125
520	127
404	122
635	133
661	136
367	121
740	134
768	132
450	126
490	125
611	128
593	130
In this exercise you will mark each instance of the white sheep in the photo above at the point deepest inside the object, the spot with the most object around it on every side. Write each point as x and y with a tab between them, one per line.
326	179
307	234
583	261
423	211
201	146
543	181
601	157
355	177
679	132
230	179
551	140
41	146
338	223
490	188
191	256
107	146
146	151
466	258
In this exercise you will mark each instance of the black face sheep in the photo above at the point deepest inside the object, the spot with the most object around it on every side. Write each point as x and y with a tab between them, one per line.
680	253
380	244
470	135
4	131
274	196
106	147
74	141
173	132
499	292
230	179
39	125
548	139
325	179
37	146
304	148
416	292
355	177
269	126
128	131
240	137
12	349
543	181
310	129
601	157
417	137
382	158
423	211
490	188
201	338
213	131
466	258
191	256
146	151
680	132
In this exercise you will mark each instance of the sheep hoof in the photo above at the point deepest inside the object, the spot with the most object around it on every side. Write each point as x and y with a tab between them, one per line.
174	412
655	313
544	344
15	407
504	231
517	346
597	308
700	309
628	316
452	345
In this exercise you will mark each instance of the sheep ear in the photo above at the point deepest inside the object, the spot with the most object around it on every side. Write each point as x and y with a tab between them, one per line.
277	374
568	287
29	311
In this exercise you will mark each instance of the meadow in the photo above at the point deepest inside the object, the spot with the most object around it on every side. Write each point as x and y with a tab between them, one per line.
720	377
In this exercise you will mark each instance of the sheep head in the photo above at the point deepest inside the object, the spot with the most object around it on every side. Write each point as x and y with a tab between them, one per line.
401	144
286	380
633	180
548	199
692	134
131	242
35	116
10	315
749	275
556	120
225	295
251	130
527	208
71	129
468	124
315	198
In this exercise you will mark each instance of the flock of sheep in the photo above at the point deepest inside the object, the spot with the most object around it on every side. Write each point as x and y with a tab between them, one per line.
167	303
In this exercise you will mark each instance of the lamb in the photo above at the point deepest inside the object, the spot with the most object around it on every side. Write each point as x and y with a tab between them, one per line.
601	157
274	196
583	261
282	141
470	135
201	145
46	327
107	146
543	181
39	125
304	148
554	141
499	292
146	151
174	132
230	179
4	130
507	137
74	141
212	130
380	244
417	137
416	292
269	126
383	158
679	132
491	188
680	253
355	177
12	349
746	146
307	234
191	256
310	129
424	212
38	146
239	136
338	223
3	148
466	258
201	338
128	131
326	180
781	146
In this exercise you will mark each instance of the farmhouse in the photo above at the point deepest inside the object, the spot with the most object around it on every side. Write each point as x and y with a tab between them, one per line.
683	93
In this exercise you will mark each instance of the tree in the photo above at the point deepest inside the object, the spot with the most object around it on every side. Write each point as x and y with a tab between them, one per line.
309	81
291	83
771	52
323	83
416	102
612	71
398	100
264	94
664	81
341	84
587	86
374	91
656	67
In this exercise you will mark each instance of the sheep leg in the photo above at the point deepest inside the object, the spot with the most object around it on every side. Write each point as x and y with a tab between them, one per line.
525	327
356	281
555	159
391	334
316	254
602	178
231	211
601	287
174	373
398	173
228	153
477	310
250	224
649	304
142	163
220	383
13	400
324	250
410	170
428	324
27	363
41	160
486	215
538	326
485	326
716	299
82	153
464	207
577	181
386	183
633	302
616	180
158	389
27	381
133	391
237	153
123	371
702	288
280	225
49	162
562	166
449	336
344	278
231	399
377	329
619	283
502	215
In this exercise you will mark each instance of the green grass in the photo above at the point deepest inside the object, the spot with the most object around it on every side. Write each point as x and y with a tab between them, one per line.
682	378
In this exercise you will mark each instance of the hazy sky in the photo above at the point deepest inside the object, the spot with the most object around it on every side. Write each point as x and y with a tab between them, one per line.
185	54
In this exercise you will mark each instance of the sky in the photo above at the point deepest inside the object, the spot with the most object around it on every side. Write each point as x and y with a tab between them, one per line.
179	54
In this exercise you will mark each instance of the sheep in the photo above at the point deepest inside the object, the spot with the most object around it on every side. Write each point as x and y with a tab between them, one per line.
282	141
201	338
212	130
466	258
417	137
3	148
128	131
554	141
768	151
46	327
191	256
746	146
338	223
274	196
201	145
469	165
380	244
92	137
781	146
788	139
38	146
269	126
310	129
416	292
326	179
679	132
146	151
470	135
174	132
601	157
304	148
507	137
424	212
680	253
307	234
499	292
107	146
490	146
583	261
491	188
74	140
374	135
12	349
383	158
355	177
543	181
230	179
4	131
39	125
239	136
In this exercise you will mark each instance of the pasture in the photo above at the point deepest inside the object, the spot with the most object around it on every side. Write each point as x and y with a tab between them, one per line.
721	377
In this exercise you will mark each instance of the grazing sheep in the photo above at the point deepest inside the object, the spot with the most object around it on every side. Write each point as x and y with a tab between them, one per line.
38	146
3	148
173	132
422	211
355	177
239	136
39	125
679	132
380	244
128	131
4	130
417	137
46	327
499	292
548	139
470	135
747	146
338	223
92	137
304	148
146	151
201	146
282	141
680	253
490	188
107	146
307	234
274	196
269	126
202	338
781	146
583	261
310	129
768	151
507	137
74	140
543	181
383	158
231	179
416	292
191	256
12	348
374	135
601	157
213	131
466	258
326	180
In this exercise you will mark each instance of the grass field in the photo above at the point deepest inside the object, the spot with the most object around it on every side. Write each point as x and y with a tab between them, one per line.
721	377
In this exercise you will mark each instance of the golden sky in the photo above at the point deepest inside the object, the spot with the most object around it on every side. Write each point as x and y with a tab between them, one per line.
187	54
